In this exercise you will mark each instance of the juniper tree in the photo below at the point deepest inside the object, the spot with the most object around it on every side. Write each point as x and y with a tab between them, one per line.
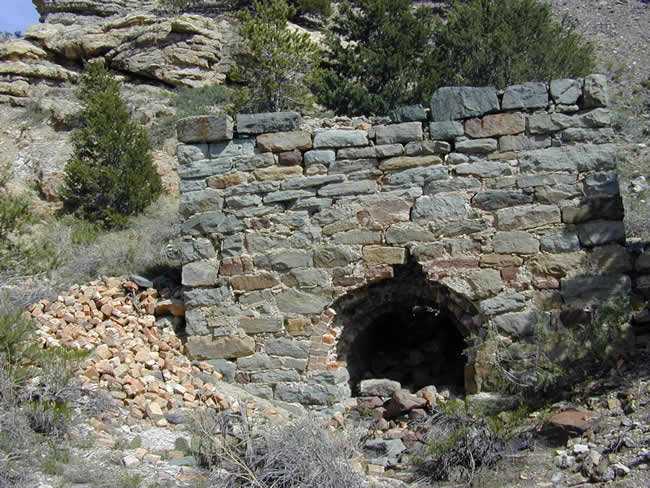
275	61
111	174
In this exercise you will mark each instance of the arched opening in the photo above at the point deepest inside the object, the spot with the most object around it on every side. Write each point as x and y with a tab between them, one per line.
405	329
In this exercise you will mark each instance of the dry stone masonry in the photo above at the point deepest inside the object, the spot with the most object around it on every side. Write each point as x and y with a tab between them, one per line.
318	258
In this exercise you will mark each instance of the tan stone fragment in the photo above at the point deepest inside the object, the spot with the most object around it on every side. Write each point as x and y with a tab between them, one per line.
500	260
227	180
253	282
284	141
557	265
278	173
227	347
154	412
405	162
299	326
496	125
374	255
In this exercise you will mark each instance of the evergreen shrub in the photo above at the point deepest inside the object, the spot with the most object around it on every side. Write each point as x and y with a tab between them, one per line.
111	174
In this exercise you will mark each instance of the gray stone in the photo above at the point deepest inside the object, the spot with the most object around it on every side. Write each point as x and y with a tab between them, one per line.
434	207
236	147
570	159
409	113
494	200
225	367
251	188
251	162
528	181
303	394
522	142
425	148
595	136
502	304
319	156
601	232
311	204
191	185
489	403
336	377
256	243
517	242
463	227
388	150
378	387
430	250
201	273
220	222
260	325
284	260
446	130
595	287
595	92
366	152
191	153
205	128
196	249
278	376
306	238
258	362
268	122
477	146
527	95
334	257
225	347
196	297
527	217
205	168
241	201
340	138
286	195
232	245
484	169
451	103
259	390
399	133
141	281
292	219
310	181
566	91
310	277
521	324
348	188
287	347
452	184
353	167
384	452
357	237
195	322
600	208
599	117
601	184
560	243
547	123
642	263
407	232
418	176
296	301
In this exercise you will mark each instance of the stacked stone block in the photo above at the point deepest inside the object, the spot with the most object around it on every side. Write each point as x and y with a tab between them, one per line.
508	200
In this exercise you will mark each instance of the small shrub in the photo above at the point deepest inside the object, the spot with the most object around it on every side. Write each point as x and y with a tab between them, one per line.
111	174
300	455
176	6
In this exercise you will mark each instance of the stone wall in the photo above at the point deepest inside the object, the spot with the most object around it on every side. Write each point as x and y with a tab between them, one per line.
506	204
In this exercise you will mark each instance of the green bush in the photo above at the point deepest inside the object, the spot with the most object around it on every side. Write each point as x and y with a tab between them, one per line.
111	174
503	42
275	61
13	210
375	57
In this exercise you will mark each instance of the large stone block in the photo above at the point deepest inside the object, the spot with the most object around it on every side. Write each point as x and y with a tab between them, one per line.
205	128
434	207
477	146
527	217
407	232
196	297
452	184
311	181
268	122
319	156
258	281
408	113
452	103
278	173
335	256
595	92
475	284
560	242
396	133
287	347
348	188
303	394
260	325
516	242
284	141
340	138
526	96
405	162
296	301
375	255
225	347
484	169
445	130
495	125
521	324
566	91
569	159
502	304
201	273
595	287
417	176
496	199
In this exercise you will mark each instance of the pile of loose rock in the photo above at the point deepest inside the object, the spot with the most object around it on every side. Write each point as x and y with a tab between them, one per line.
142	365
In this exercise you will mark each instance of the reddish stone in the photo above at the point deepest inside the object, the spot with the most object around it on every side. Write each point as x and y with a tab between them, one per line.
456	263
550	284
379	215
328	339
509	274
290	158
572	421
377	273
231	267
495	125
370	402
401	402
